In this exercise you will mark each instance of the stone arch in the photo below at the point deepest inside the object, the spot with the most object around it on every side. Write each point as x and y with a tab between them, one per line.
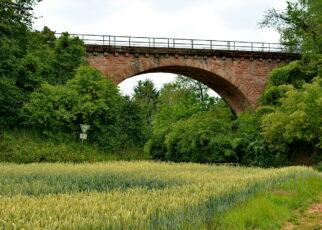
239	77
225	89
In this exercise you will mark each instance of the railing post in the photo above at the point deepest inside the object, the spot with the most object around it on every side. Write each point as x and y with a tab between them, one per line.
103	39
174	43
168	42
154	42
129	41
228	45
252	46
191	43
269	47
109	40
234	45
211	44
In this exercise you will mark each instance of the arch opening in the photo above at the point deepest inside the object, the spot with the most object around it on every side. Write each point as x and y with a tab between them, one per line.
226	90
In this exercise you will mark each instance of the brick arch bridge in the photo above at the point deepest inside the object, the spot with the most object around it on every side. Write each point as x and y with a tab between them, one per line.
237	71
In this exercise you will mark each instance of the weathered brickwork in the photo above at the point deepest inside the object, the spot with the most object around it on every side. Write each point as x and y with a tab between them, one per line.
238	77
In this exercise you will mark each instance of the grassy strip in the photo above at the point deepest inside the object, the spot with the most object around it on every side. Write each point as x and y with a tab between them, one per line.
311	218
270	209
21	146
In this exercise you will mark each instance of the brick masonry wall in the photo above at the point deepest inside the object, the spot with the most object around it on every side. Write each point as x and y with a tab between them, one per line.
239	79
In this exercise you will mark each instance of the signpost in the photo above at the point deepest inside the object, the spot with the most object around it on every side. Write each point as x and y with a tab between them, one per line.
83	135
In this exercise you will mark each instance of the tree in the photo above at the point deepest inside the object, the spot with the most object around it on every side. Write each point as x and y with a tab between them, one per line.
145	96
28	59
189	125
293	75
194	85
11	98
18	12
15	22
89	98
69	55
132	125
206	137
295	125
252	149
300	24
174	103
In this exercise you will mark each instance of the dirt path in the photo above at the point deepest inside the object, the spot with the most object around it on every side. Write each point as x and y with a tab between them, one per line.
310	219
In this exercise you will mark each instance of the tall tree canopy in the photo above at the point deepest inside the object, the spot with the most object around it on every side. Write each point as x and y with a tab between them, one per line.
299	24
17	12
145	97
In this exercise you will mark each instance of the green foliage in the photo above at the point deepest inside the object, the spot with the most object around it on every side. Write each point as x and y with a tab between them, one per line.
273	94
200	90
11	98
19	12
175	103
297	122
296	73
205	137
29	146
69	53
202	137
132	126
253	149
145	97
155	146
300	24
29	59
89	98
271	209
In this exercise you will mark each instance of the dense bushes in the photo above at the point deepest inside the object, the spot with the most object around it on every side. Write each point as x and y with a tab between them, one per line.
25	146
284	130
88	98
205	137
187	127
39	63
253	149
295	126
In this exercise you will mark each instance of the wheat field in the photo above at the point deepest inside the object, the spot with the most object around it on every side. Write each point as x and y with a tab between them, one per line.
127	195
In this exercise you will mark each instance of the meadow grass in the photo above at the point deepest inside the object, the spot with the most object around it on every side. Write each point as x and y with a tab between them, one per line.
271	209
129	195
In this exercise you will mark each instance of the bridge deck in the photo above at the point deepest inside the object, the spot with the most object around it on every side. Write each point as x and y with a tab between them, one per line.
191	52
169	44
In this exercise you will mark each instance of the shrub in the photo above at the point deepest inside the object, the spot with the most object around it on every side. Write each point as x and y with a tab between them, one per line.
88	98
295	125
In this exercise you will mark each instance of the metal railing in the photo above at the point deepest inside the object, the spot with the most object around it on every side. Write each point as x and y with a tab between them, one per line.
180	43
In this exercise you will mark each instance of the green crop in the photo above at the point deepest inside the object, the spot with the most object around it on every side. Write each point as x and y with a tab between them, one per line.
127	195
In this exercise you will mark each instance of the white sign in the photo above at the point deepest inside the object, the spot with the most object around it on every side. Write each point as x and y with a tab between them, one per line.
83	136
84	128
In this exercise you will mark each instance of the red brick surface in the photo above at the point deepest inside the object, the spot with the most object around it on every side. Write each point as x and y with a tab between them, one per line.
239	80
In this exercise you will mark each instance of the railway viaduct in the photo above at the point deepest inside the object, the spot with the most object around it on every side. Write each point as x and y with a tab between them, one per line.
237	71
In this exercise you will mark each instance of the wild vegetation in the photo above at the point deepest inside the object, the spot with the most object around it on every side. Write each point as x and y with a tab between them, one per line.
48	89
138	195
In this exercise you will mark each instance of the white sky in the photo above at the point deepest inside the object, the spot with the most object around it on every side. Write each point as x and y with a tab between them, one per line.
203	19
